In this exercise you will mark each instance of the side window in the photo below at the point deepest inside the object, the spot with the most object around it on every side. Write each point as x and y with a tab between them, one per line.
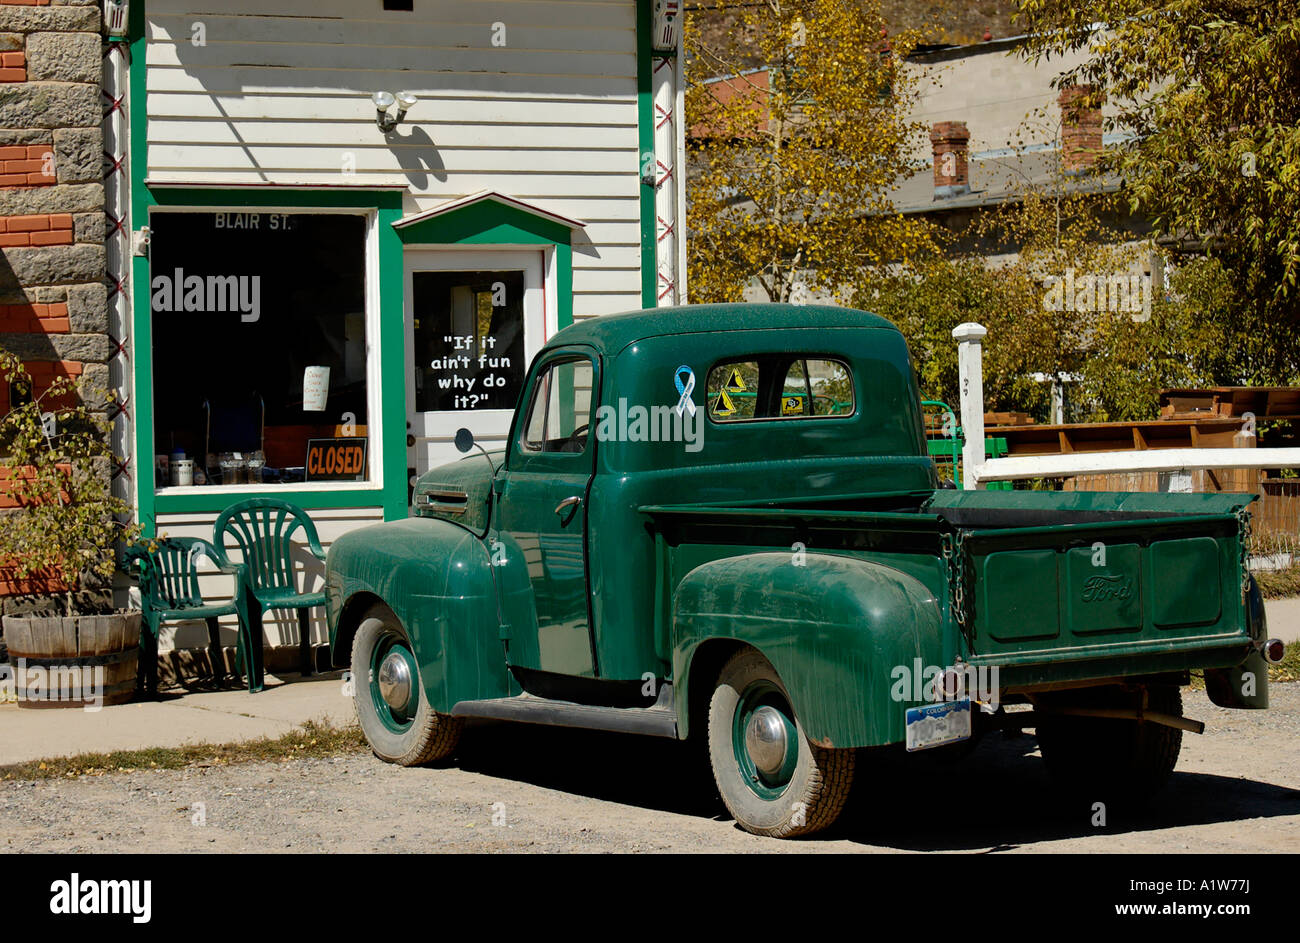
559	414
779	386
817	388
733	391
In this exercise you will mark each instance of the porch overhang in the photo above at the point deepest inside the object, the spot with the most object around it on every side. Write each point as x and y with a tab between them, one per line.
485	205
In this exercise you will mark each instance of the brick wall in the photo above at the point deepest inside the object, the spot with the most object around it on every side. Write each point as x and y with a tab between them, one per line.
53	297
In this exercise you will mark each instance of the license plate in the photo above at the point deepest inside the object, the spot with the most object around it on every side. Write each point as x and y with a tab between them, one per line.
937	725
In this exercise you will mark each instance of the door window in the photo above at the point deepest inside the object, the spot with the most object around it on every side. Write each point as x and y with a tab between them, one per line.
468	332
559	415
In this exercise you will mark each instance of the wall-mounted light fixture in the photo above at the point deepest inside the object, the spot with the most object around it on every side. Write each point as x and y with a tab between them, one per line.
384	102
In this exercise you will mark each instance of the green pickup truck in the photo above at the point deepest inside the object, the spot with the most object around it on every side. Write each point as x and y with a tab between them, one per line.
721	522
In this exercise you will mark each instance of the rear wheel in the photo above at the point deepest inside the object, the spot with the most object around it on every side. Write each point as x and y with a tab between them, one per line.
394	714
1125	761
773	780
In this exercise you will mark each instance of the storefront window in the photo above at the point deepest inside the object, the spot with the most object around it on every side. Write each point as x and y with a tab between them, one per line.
259	348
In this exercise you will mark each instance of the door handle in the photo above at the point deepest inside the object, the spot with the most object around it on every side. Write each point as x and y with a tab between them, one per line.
571	505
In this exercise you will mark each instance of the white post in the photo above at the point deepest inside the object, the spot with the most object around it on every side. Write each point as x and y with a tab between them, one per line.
970	377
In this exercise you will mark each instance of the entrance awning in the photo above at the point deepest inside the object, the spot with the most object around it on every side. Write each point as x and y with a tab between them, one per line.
482	196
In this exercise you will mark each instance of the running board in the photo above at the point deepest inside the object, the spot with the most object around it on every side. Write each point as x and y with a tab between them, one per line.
657	721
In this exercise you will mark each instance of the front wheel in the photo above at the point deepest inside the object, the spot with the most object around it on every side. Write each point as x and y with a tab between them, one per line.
394	714
773	779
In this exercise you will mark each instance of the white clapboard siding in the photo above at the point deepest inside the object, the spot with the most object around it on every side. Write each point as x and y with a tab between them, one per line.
523	31
611	257
527	13
447	136
446	105
280	628
239	94
417	62
483	160
595	304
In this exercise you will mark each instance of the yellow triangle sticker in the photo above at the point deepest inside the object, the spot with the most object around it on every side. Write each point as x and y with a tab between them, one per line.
735	383
723	406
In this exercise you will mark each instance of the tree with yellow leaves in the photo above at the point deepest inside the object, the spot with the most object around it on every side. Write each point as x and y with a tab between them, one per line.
798	131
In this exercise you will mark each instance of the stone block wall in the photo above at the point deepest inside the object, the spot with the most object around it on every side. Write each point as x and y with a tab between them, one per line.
53	294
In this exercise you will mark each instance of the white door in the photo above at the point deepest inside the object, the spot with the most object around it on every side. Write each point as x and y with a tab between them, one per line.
474	320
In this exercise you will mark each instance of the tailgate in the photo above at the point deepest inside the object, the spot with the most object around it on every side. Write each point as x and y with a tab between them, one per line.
1106	593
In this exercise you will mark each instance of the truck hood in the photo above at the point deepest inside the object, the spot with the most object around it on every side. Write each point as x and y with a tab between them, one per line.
459	491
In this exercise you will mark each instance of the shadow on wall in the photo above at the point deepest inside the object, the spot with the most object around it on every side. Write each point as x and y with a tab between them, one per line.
315	75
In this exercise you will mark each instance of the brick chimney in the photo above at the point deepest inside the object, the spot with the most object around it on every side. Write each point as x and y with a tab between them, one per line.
949	140
1080	130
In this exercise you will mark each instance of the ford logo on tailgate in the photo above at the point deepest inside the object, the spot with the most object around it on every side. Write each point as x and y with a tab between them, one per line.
1106	586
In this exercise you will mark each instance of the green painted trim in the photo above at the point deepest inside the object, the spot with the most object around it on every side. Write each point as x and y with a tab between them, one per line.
492	223
563	285
201	500
387	203
392	422
392	291
486	222
141	323
646	147
292	197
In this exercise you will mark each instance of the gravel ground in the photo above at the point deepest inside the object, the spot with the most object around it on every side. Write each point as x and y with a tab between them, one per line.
531	789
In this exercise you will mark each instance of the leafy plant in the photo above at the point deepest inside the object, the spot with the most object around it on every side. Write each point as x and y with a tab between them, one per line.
799	132
55	450
1202	102
1023	246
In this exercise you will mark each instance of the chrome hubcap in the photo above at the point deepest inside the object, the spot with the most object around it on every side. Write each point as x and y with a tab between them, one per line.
395	681
765	740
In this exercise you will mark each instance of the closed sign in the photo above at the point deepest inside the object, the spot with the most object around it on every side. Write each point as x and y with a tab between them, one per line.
336	459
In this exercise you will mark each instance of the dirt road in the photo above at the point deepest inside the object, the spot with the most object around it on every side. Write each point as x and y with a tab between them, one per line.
1237	789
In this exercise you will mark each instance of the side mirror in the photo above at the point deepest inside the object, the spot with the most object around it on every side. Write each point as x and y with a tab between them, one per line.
464	440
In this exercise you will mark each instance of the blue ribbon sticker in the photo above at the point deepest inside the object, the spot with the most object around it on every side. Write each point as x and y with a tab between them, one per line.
685	404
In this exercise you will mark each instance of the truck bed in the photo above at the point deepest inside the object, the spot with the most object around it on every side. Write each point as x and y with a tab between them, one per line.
1050	586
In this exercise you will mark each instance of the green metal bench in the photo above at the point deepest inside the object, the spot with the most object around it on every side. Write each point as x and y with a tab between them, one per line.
262	529
169	592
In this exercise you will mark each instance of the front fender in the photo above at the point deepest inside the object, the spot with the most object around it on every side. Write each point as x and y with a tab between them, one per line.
835	629
437	579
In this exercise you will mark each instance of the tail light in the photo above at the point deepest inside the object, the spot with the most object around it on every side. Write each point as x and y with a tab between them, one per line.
1273	650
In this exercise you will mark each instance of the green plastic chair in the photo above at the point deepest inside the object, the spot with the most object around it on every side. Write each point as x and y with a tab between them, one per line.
262	529
169	592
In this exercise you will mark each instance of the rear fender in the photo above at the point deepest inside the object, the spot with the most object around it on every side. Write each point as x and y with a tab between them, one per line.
1244	686
836	628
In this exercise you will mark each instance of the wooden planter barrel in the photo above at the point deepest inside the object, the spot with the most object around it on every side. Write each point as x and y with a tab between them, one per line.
71	661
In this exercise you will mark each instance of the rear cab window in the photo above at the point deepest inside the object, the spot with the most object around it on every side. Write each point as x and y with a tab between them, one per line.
779	387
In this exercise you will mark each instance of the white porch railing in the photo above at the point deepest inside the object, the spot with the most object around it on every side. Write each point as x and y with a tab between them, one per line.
979	470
